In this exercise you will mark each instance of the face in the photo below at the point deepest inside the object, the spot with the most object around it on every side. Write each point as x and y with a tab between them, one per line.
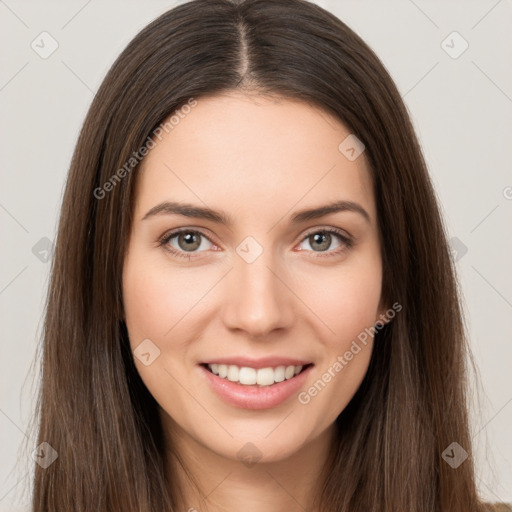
231	262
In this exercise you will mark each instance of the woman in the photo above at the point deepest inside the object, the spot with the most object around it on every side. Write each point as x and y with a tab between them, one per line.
252	301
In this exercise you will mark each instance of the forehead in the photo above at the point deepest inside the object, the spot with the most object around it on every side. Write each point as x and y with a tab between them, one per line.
243	153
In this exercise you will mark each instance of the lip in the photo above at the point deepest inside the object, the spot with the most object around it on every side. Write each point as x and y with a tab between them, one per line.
254	397
264	362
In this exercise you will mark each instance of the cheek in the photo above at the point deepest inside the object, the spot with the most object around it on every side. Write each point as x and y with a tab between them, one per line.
156	300
163	304
145	304
345	300
158	304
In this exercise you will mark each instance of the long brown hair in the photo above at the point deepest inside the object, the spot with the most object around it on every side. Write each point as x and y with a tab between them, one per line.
93	408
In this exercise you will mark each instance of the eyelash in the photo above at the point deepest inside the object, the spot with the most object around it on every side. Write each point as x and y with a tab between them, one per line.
346	241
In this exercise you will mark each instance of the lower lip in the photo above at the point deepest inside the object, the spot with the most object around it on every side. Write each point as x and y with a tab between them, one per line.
254	397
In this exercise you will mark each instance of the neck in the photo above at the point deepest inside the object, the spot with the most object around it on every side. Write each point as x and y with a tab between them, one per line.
226	484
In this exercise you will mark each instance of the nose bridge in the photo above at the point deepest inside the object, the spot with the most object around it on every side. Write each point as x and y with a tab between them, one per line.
257	301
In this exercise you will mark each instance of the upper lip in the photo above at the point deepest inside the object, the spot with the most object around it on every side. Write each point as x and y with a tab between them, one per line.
264	362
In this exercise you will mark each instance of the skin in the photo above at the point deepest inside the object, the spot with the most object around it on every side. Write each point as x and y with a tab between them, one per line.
259	160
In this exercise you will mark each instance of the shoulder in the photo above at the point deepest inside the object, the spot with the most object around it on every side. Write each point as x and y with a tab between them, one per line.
497	507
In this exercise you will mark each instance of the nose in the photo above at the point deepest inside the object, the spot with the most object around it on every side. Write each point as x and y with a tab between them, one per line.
257	299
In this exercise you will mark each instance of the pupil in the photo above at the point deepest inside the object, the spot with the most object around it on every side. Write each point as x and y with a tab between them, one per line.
191	241
323	239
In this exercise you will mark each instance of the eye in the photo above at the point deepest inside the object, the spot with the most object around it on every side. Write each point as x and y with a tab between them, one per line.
185	241
321	241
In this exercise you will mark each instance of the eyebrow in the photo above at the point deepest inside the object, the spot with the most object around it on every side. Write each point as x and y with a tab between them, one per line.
199	212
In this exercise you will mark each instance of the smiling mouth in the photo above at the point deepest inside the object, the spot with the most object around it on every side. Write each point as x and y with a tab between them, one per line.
261	377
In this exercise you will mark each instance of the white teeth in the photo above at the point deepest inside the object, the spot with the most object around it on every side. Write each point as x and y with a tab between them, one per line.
233	373
289	372
279	374
265	376
251	376
247	376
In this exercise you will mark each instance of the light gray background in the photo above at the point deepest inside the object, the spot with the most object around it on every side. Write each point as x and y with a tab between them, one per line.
461	108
